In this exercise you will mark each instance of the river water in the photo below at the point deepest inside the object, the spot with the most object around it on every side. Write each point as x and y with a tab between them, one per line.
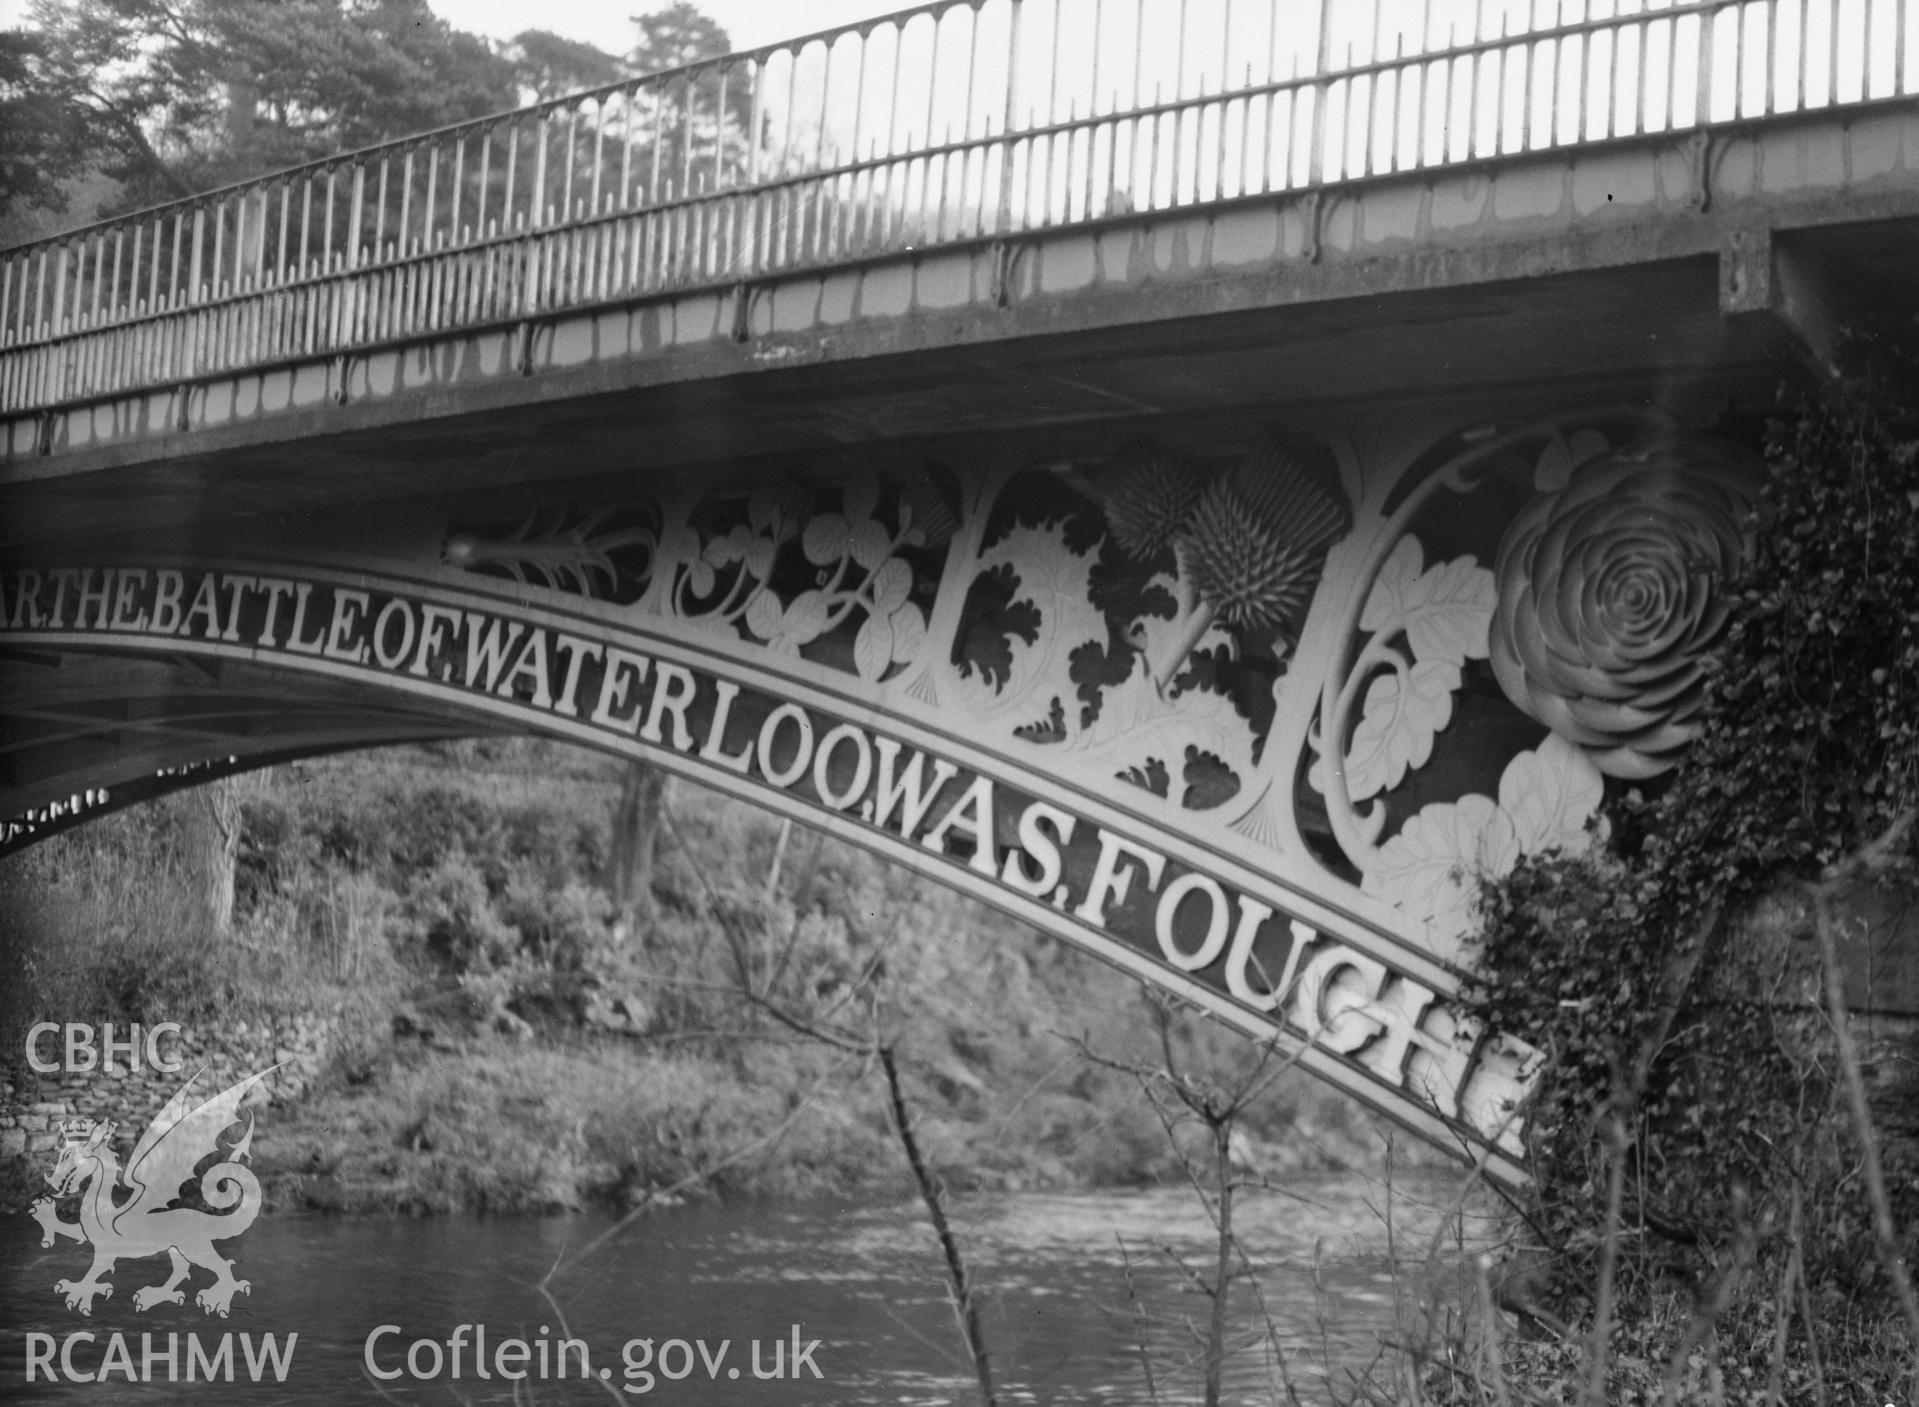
1078	1289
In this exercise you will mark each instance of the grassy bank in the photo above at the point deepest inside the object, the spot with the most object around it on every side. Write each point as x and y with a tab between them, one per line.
506	1040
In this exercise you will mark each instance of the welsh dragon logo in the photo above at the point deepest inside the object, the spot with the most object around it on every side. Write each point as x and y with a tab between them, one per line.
182	1136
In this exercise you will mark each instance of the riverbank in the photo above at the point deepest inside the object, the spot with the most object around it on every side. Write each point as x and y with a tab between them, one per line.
436	1124
425	945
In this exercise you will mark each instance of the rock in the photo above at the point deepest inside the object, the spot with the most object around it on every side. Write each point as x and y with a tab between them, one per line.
325	1193
1521	1284
509	1024
13	1142
616	1011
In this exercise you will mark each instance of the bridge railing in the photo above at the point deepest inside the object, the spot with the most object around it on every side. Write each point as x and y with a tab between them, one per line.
953	121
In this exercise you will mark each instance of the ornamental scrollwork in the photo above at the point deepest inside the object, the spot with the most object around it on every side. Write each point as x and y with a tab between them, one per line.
1393	668
601	553
1580	654
1130	614
1608	597
841	574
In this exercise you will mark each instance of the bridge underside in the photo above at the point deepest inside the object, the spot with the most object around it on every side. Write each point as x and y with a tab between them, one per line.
79	725
1653	331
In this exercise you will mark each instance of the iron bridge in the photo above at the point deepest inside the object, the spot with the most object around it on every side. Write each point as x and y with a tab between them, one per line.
1213	485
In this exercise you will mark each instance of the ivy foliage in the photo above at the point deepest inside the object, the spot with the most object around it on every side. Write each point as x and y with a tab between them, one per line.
1659	972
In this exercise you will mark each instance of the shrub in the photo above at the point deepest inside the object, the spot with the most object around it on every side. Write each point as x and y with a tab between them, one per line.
1689	1063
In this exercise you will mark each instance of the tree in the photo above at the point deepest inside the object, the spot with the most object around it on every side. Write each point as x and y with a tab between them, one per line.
550	65
167	98
41	143
635	836
178	96
676	36
702	123
212	852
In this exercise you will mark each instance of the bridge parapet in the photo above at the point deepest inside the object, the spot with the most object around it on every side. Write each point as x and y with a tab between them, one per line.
952	124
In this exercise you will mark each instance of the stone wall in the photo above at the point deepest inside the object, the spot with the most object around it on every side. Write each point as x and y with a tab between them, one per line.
33	1106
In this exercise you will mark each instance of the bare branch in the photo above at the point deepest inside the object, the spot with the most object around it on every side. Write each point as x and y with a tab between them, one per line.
1870	858
965	1308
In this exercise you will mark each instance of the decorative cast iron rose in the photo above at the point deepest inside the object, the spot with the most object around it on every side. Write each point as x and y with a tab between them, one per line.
1610	597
